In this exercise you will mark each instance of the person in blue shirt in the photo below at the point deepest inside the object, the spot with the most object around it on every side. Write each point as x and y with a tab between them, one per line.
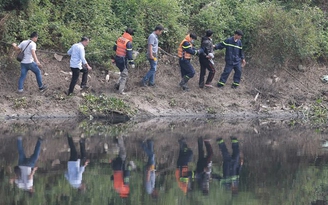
150	171
234	58
74	170
77	54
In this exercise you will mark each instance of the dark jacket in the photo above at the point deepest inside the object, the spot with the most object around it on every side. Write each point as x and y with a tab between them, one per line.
207	45
234	53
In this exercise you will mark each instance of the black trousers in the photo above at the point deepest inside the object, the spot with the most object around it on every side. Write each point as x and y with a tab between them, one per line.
203	160
75	77
73	154
205	64
185	155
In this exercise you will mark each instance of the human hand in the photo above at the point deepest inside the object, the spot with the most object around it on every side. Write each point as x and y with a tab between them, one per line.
133	66
86	162
89	67
243	63
14	44
35	168
38	63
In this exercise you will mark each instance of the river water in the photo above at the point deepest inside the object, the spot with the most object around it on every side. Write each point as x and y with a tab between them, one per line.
283	162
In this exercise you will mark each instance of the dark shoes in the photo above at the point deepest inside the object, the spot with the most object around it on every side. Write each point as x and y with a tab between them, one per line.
233	86
143	83
43	88
84	86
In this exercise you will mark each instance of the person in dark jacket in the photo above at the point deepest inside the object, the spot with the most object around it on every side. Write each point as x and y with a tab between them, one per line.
206	61
123	57
231	165
185	51
234	58
202	174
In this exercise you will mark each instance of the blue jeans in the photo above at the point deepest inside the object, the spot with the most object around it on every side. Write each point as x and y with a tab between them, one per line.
25	67
22	159
149	150
150	76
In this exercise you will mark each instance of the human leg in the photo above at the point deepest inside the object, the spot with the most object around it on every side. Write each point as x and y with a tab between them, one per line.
122	151
82	149
200	161
75	77
226	158
123	79
211	73
24	69
150	76
73	152
21	153
224	76
36	70
36	153
202	73
235	155
209	151
84	81
237	75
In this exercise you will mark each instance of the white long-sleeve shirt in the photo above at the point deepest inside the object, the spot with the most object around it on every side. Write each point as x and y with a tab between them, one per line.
77	54
74	173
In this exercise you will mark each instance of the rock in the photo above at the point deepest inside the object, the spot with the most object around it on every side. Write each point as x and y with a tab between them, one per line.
275	78
107	78
268	81
46	74
55	162
301	68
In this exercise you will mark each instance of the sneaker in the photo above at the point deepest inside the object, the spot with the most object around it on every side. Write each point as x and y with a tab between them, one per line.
40	138
151	85
143	83
84	86
20	138
219	140
208	85
220	85
123	93
234	86
43	88
20	91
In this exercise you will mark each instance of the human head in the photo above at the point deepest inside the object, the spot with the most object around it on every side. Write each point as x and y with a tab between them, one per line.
238	34
159	29
193	36
130	31
85	41
209	33
34	36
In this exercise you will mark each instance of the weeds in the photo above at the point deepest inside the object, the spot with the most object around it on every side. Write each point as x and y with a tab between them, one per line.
20	103
102	105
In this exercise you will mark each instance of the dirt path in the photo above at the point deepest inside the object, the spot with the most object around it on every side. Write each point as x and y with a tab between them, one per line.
279	92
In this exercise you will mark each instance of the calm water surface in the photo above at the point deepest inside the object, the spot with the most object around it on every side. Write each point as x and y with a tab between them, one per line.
267	162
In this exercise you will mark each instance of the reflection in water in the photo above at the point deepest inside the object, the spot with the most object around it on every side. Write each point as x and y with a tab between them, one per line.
281	164
74	170
24	172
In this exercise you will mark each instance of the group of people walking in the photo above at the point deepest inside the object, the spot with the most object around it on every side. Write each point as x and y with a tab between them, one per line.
123	59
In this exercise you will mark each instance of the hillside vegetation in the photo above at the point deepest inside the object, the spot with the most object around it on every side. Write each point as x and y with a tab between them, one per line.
276	32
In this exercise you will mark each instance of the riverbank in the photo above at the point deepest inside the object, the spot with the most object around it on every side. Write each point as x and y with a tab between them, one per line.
264	92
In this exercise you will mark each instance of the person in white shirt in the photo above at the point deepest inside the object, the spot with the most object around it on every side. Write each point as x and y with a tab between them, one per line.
29	62
77	54
74	170
26	169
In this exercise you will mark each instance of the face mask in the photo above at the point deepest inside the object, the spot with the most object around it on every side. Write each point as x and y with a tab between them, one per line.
192	41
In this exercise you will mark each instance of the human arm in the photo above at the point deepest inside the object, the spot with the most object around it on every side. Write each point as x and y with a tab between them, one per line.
221	45
86	163
35	57
115	47
187	47
129	53
242	56
16	48
82	57
32	173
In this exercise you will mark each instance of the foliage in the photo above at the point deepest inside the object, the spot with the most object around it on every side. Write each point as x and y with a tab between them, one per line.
279	32
102	106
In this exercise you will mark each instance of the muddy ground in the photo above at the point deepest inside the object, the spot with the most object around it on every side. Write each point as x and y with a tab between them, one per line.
279	91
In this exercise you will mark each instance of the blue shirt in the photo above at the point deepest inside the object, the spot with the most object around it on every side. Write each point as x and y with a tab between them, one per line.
77	54
153	40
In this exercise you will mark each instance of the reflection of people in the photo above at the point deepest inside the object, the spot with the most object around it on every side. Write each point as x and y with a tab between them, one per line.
181	172
204	165
231	165
74	170
25	170
150	175
121	176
